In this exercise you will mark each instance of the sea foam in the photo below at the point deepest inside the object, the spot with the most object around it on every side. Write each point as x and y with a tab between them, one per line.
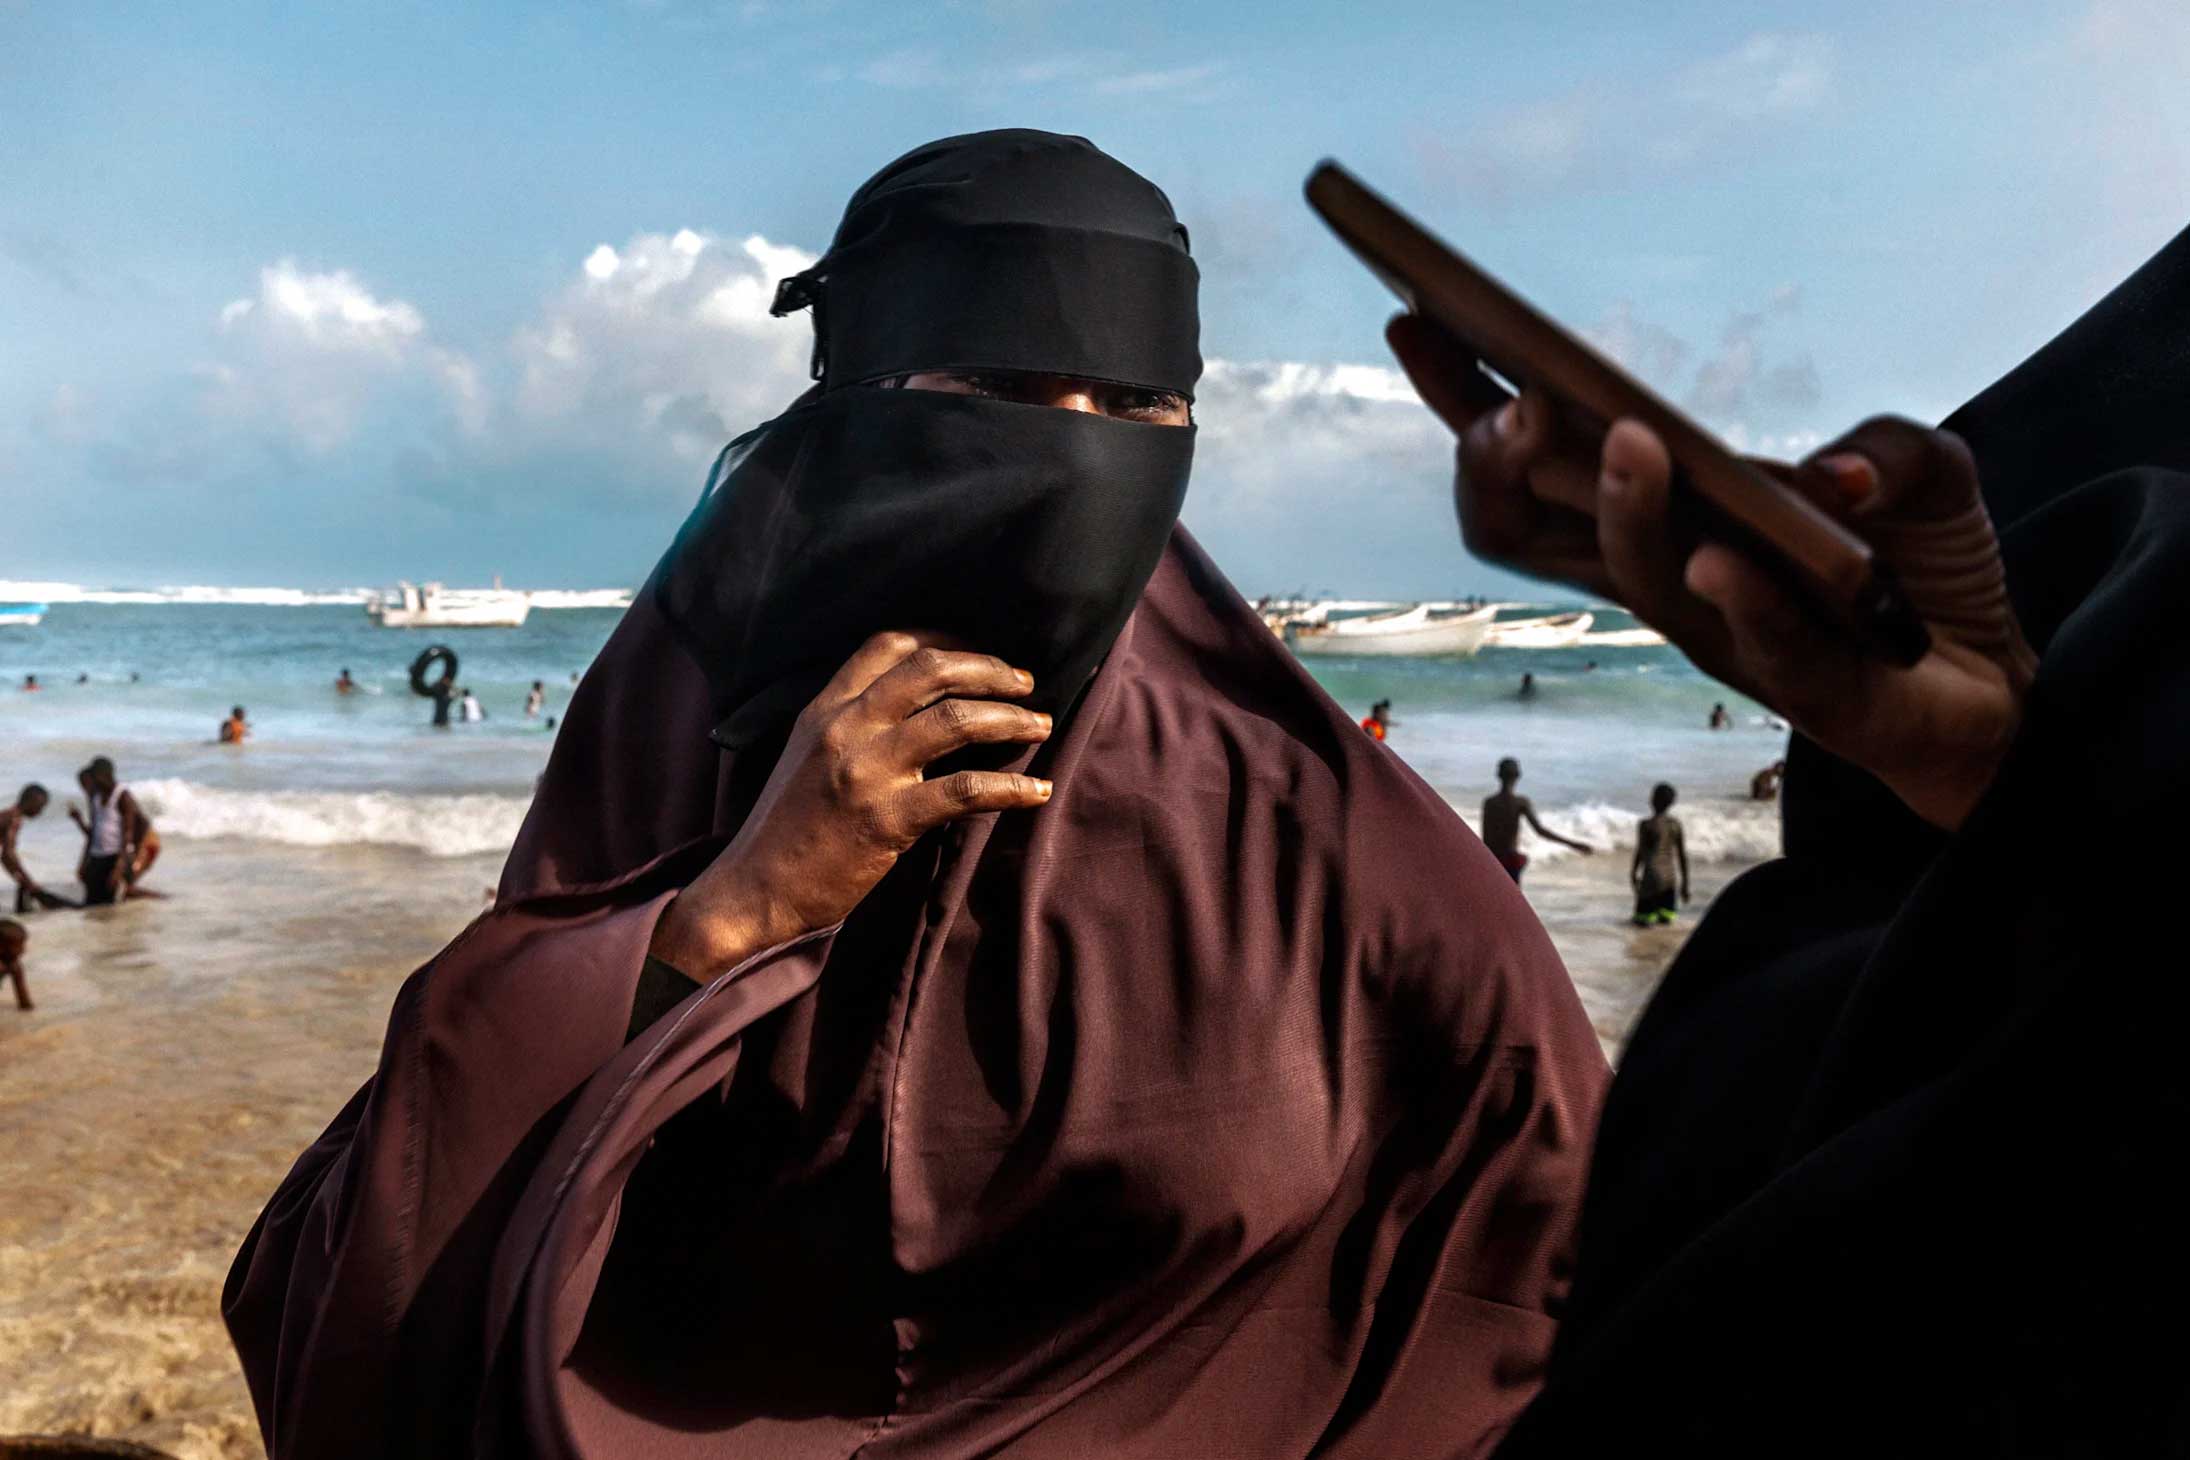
467	824
439	826
1715	831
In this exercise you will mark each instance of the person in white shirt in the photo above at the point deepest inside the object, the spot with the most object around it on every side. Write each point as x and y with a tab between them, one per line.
472	710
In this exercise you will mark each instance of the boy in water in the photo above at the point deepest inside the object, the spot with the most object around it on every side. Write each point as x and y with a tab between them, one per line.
121	843
1503	814
1660	872
13	940
1379	721
235	729
28	894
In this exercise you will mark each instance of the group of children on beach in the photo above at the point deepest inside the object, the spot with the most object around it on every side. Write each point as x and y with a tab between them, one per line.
1659	873
120	846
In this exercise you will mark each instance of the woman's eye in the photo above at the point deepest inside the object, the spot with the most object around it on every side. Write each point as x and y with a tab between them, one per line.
998	387
1150	405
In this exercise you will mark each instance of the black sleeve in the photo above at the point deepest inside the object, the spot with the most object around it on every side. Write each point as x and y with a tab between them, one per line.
661	988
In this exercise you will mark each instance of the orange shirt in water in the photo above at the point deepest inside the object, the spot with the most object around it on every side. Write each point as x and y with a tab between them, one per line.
1374	726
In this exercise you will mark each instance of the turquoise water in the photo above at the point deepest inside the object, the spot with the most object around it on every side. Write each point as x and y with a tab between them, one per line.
326	769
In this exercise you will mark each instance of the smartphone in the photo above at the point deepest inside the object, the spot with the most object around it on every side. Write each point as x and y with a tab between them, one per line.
1722	495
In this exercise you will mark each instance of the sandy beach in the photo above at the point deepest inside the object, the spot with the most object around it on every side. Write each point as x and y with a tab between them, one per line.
183	1052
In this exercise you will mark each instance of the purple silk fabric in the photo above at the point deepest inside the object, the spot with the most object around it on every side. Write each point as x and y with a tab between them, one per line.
1232	1104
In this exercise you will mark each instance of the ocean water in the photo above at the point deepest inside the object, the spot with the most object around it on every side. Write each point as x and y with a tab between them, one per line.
368	769
183	1050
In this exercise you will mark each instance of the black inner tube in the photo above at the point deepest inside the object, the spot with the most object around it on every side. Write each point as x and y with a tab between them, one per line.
419	683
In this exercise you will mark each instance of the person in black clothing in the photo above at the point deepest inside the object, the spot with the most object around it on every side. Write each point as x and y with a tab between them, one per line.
1886	1169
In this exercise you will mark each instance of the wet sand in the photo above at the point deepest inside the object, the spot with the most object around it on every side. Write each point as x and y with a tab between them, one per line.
184	1052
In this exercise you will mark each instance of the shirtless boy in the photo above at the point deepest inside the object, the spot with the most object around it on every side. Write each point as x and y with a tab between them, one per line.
1503	814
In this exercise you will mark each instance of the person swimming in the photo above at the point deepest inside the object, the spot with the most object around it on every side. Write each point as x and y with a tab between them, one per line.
235	729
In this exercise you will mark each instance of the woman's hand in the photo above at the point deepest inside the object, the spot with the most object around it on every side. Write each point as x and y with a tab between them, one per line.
1935	732
850	794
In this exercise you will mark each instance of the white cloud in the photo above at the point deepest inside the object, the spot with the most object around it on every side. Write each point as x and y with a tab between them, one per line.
1604	132
310	352
665	340
1142	83
1742	387
331	311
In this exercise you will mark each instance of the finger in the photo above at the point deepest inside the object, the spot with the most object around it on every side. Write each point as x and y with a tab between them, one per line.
928	805
953	724
1644	554
1445	372
870	661
1889	462
1794	663
1503	458
929	674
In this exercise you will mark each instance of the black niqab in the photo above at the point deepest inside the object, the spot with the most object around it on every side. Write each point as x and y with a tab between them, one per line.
1025	531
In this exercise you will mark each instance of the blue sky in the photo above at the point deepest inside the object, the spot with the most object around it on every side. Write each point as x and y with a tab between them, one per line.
323	295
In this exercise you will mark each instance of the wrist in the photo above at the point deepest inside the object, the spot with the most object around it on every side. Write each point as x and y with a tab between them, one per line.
701	945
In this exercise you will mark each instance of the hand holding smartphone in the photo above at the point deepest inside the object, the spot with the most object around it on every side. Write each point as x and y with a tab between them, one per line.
1721	495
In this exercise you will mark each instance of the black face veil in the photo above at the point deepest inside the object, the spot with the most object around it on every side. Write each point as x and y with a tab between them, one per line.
1025	531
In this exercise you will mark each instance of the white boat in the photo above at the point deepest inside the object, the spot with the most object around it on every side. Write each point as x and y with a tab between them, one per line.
1624	639
21	615
1560	631
1414	631
431	606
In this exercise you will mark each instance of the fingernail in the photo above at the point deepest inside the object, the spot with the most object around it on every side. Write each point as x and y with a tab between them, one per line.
1026	680
1045	787
1508	420
1853	477
1047	722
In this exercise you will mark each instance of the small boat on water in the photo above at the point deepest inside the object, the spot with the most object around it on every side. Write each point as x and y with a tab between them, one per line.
1415	631
431	606
21	615
1624	639
1559	631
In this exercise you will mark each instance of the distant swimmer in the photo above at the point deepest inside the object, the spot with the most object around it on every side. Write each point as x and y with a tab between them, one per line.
1528	686
83	679
441	691
344	684
473	711
31	684
14	938
28	894
1378	721
1590	667
235	729
535	700
1764	785
1503	814
123	845
1660	870
1720	720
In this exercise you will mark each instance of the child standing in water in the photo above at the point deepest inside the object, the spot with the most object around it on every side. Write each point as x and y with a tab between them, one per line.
1660	873
13	939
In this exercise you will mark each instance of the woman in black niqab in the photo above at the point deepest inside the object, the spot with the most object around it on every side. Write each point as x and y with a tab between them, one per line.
1890	1163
